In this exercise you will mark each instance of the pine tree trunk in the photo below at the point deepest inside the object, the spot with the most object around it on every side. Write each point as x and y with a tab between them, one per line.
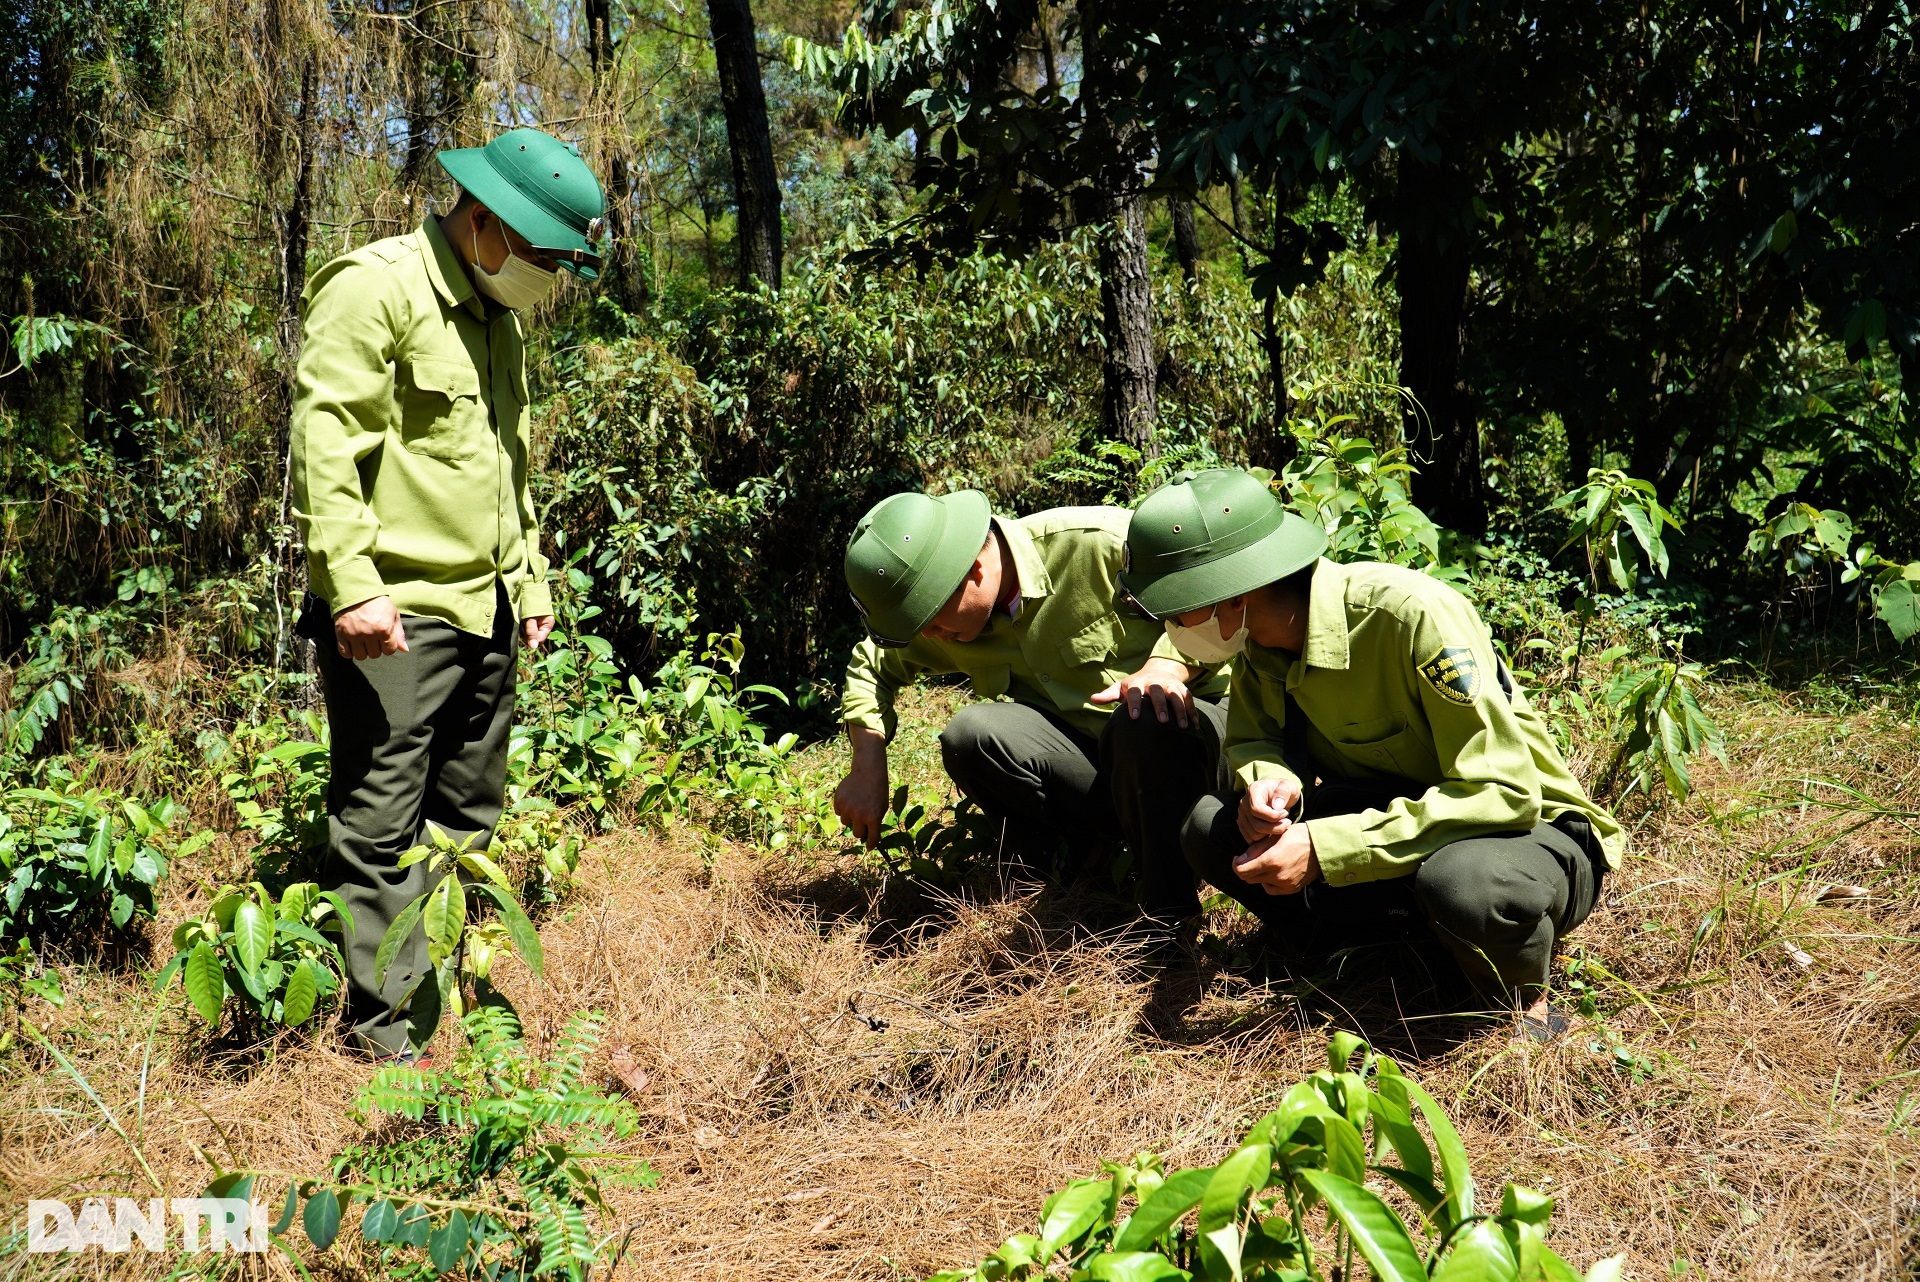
1126	288
756	188
1433	276
626	279
1186	237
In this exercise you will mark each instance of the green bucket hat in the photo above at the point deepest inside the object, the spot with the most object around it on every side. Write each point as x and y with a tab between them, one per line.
1211	536
909	554
542	189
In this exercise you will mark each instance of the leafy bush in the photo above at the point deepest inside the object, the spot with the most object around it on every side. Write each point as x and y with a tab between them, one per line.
1658	702
281	796
1619	520
74	857
502	1182
273	957
1359	492
1251	1216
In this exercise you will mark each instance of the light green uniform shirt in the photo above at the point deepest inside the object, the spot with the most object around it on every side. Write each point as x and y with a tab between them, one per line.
410	438
1400	678
1067	644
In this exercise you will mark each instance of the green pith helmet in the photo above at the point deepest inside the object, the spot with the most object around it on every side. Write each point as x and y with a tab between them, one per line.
542	189
909	554
1211	536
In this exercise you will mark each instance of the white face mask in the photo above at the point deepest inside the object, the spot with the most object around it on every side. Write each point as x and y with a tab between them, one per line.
518	284
1206	642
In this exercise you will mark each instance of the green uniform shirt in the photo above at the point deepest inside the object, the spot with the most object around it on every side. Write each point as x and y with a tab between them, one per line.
1400	678
410	438
1068	643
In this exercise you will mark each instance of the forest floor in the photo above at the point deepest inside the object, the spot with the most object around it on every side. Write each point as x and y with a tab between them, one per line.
843	1077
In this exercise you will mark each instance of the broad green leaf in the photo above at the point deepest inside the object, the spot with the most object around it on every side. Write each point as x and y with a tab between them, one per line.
303	987
285	1221
448	1243
1340	1049
379	1223
252	935
1233	1181
1160	1210
526	940
1555	1269
397	935
1346	1151
1898	605
1611	1269
322	1219
445	917
1481	1254
1393	1118
479	864
1220	1251
206	986
424	1007
1076	1209
1453	1154
1373	1226
1518	1202
1133	1266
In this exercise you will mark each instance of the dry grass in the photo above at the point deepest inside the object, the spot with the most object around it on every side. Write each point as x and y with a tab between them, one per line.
851	1081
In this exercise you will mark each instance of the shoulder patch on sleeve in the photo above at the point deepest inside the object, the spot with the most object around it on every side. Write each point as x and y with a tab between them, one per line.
1454	674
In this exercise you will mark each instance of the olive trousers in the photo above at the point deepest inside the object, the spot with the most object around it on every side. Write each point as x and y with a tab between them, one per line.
419	741
1499	903
1135	782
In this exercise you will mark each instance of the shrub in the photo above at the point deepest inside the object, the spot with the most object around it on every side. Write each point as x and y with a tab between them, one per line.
270	956
73	858
502	1182
1251	1215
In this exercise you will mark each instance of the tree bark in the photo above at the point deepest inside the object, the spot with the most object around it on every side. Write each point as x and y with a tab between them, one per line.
756	188
1433	276
626	278
1186	237
1120	146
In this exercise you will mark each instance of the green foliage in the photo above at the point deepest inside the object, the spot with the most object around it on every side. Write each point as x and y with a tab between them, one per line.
276	958
627	749
1252	1216
1359	492
281	796
493	1166
460	947
75	858
938	849
1658	703
1619	520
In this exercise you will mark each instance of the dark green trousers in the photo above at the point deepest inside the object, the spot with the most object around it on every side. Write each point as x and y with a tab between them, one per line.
418	739
1136	783
1499	903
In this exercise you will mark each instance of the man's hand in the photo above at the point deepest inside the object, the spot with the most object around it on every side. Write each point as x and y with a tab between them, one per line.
1281	865
1264	807
369	630
534	630
861	798
1164	681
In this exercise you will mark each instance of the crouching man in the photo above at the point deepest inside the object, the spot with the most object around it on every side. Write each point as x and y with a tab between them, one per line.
1386	769
1102	737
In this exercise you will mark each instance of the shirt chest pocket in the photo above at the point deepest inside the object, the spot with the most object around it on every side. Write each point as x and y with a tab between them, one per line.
1387	745
442	414
1098	642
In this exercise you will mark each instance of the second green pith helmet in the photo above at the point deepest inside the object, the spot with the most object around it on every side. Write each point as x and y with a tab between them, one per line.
1212	536
909	554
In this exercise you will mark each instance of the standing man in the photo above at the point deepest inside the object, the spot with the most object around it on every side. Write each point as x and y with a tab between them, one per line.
1026	609
1386	767
410	455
